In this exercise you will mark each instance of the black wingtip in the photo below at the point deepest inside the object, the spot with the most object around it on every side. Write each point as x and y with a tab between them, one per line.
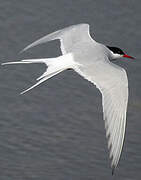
113	170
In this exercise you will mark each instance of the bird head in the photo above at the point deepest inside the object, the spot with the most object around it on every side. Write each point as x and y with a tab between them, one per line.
118	53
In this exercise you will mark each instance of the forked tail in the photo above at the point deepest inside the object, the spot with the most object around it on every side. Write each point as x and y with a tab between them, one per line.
54	66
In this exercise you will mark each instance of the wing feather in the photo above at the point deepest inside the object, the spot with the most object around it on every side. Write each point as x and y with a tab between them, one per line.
67	36
112	82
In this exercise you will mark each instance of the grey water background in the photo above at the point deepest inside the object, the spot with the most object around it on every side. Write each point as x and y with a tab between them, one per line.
56	131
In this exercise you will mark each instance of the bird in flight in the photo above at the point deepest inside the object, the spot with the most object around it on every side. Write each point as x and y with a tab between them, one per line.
93	61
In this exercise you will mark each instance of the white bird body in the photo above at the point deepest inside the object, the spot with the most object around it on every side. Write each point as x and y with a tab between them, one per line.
92	61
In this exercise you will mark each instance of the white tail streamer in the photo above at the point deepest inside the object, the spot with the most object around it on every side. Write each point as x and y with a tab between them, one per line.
54	66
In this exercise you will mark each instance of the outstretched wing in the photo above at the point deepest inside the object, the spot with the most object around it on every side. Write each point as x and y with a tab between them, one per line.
112	81
68	37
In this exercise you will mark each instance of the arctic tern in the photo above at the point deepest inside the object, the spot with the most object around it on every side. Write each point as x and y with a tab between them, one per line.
93	61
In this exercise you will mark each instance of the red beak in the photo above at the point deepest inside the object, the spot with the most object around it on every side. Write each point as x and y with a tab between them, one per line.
126	56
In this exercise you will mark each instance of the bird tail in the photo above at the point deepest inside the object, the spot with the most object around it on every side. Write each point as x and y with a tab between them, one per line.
54	66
